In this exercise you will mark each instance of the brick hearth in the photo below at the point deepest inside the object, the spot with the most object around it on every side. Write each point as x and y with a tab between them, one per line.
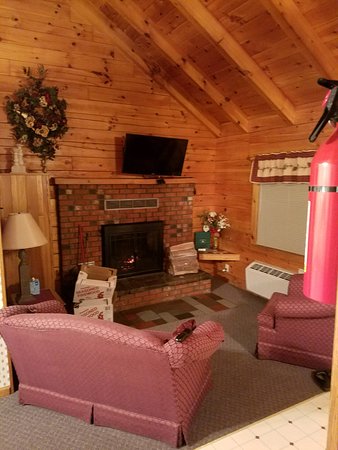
81	211
157	288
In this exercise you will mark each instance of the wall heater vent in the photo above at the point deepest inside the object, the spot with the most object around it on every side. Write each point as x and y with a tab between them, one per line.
264	280
131	203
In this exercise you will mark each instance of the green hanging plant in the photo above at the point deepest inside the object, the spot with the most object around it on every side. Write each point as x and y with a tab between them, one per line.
37	115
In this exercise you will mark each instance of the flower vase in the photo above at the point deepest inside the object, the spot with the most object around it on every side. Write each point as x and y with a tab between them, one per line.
214	239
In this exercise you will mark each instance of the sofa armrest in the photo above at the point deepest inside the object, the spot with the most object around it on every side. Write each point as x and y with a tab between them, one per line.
201	344
296	284
266	318
301	307
49	306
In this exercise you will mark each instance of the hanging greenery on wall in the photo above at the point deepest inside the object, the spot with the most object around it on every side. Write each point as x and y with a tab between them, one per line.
37	115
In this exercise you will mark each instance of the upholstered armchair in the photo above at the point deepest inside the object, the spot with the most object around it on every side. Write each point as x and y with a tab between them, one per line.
295	329
141	381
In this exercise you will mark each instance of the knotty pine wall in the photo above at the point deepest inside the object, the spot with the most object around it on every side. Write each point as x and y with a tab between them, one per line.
108	96
233	189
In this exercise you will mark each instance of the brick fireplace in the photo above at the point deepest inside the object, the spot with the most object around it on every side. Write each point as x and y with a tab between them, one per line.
83	208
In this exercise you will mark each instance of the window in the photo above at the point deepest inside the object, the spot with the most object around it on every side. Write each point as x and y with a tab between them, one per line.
282	216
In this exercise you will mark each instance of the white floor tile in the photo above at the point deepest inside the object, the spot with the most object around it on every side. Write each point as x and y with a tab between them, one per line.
306	424
226	443
291	432
320	437
260	428
207	447
254	445
243	436
301	427
274	440
292	414
308	444
277	420
321	417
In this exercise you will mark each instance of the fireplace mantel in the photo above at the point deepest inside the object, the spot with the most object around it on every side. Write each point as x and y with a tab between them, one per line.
120	179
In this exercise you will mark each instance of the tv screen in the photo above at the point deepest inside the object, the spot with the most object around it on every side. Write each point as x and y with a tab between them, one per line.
153	155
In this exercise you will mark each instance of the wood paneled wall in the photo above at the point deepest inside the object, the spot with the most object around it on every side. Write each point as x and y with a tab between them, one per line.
107	96
233	189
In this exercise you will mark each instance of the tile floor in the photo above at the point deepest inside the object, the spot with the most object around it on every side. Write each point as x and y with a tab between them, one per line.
300	427
180	309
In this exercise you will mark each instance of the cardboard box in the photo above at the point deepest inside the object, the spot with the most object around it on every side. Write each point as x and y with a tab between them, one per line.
95	282
96	309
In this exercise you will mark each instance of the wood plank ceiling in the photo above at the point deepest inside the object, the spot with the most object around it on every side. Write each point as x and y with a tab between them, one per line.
231	61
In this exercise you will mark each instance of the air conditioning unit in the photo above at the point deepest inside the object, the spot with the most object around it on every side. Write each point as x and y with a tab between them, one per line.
264	280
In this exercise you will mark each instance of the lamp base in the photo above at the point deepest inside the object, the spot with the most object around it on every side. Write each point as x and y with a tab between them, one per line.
24	274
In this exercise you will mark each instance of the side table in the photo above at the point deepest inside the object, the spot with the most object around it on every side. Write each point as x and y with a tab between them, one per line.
45	295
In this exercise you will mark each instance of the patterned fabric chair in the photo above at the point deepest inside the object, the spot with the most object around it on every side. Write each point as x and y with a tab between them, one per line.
295	329
144	382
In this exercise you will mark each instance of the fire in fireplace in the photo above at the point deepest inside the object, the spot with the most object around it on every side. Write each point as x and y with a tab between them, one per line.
133	248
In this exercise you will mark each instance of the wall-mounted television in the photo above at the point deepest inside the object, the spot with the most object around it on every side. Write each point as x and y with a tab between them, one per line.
153	155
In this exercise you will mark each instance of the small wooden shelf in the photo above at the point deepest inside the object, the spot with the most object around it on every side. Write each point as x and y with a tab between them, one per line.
218	255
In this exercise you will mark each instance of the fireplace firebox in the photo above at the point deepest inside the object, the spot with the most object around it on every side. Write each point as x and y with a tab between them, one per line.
133	248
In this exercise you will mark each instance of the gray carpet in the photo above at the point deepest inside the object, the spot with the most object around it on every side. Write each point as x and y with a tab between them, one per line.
244	390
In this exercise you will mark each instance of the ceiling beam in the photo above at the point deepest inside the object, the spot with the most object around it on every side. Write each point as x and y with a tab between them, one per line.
95	17
227	46
294	24
132	13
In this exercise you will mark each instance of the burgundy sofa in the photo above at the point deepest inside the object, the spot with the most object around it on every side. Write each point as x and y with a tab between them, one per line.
143	382
295	329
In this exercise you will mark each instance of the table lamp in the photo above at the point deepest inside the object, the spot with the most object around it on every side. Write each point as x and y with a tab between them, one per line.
22	232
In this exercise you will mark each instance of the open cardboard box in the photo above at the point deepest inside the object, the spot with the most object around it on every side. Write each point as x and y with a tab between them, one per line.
95	282
95	308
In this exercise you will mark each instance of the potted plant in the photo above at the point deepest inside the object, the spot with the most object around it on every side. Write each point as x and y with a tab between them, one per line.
37	115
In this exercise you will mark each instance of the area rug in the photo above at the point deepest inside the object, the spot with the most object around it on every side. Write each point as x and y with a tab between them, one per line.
244	390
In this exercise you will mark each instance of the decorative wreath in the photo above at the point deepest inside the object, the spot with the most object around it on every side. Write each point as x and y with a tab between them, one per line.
37	116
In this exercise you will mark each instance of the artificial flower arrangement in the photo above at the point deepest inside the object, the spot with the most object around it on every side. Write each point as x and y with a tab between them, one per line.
37	115
213	221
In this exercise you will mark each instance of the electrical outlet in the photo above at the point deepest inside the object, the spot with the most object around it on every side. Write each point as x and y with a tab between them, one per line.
226	268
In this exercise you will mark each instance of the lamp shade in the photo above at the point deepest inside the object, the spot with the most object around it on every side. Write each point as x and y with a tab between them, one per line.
21	231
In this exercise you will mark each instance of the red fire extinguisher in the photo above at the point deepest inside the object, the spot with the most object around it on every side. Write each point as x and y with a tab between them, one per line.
321	252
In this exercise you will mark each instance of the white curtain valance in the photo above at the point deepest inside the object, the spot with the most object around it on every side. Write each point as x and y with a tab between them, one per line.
292	167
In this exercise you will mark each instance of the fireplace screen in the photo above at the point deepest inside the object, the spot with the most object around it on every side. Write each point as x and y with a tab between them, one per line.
133	248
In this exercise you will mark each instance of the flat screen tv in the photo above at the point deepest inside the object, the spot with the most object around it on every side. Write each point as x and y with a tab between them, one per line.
153	155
